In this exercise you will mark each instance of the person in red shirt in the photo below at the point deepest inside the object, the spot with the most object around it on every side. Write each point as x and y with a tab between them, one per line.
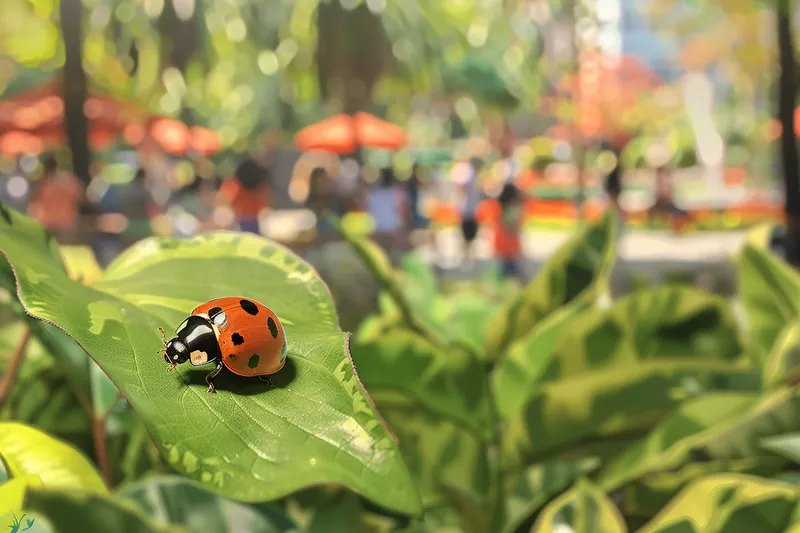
247	193
507	245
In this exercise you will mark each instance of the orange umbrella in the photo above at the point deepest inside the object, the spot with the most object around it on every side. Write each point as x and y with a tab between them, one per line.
204	141
14	143
177	138
172	135
344	134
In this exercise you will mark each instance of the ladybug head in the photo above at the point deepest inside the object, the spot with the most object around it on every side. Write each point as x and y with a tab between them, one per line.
176	352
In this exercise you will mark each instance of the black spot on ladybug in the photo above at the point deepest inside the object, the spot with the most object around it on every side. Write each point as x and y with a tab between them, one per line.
232	355
4	212
253	361
273	328
213	311
249	307
237	339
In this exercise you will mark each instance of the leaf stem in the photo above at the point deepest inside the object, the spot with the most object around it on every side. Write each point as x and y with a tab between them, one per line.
14	365
495	452
101	449
111	407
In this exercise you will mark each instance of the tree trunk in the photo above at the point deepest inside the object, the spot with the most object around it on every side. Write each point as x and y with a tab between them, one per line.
353	50
76	126
789	156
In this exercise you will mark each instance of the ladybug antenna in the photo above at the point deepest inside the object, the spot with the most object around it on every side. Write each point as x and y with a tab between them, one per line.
171	367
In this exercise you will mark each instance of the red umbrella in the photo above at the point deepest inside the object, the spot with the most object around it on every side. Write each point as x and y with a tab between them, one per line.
344	134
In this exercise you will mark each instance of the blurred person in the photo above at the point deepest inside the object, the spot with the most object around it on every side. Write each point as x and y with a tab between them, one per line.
414	188
386	204
56	200
470	199
136	204
613	182
507	245
247	193
319	200
664	208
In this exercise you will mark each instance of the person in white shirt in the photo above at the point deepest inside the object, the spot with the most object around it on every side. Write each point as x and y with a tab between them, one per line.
386	203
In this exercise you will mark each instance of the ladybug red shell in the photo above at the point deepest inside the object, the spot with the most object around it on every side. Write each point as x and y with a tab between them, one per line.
241	334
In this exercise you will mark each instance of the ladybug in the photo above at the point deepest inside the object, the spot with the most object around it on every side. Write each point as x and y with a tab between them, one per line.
242	335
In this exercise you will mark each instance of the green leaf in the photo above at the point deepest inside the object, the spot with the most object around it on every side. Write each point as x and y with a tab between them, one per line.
12	495
27	451
770	293
175	500
786	445
420	284
81	264
438	451
77	512
341	514
782	365
580	268
610	404
537	485
246	442
41	395
644	498
584	509
666	321
379	266
375	326
450	384
733	503
719	426
526	360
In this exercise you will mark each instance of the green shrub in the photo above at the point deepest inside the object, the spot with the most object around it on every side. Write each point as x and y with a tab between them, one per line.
490	409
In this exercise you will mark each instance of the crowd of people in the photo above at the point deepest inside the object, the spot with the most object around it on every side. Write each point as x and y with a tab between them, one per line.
112	215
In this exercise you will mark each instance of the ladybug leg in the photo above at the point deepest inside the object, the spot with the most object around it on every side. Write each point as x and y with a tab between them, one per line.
266	380
211	375
163	335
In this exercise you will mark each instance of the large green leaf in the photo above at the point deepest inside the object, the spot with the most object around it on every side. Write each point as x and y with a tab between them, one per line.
732	503
658	322
644	498
537	485
248	441
610	404
438	451
75	512
450	384
720	426
27	451
12	496
583	509
527	359
770	292
580	268
175	500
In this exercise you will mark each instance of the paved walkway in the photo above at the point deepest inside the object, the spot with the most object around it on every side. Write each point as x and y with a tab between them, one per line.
634	246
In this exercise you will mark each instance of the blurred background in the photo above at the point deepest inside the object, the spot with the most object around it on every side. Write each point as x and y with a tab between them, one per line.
478	133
